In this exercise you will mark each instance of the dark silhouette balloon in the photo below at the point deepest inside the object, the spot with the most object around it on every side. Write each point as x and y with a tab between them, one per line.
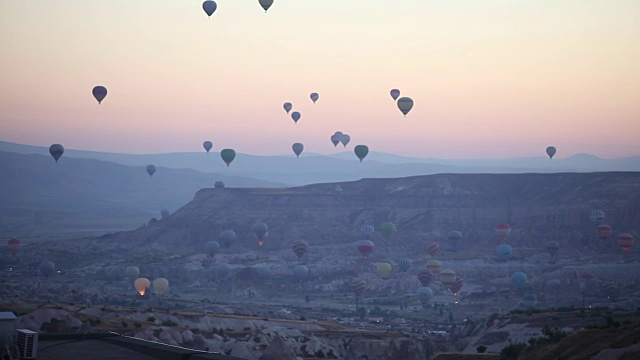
99	92
209	7
56	150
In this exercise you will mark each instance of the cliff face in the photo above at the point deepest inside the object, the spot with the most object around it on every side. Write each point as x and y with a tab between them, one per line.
539	207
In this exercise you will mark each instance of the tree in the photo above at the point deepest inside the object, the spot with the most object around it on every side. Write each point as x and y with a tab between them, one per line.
361	312
450	316
307	299
481	349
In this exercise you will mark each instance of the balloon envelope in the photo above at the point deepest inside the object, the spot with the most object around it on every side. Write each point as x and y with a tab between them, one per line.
519	279
207	145
151	169
551	151
365	247
344	139
405	105
56	150
395	93
161	285
99	92
287	107
266	4
335	139
297	149
384	270
47	268
361	151
504	252
228	155
14	246
132	272
209	7
141	285
314	97
227	237
295	116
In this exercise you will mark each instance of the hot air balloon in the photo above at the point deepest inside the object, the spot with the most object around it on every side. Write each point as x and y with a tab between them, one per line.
457	285
161	285
404	264
260	230
384	270
519	279
425	277
365	247
530	300
228	155
604	232
344	139
551	151
207	145
47	268
361	151
227	237
395	93
287	107
266	4
314	97
56	150
367	230
141	285
209	7
434	266
14	246
609	288
300	248
335	139
295	116
424	294
454	235
99	92
132	272
502	231
212	248
297	149
151	169
448	277
625	241
504	251
552	248
597	215
433	249
358	286
405	105
164	213
387	229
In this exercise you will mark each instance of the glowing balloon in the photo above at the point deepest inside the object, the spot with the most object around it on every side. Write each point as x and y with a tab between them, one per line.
141	285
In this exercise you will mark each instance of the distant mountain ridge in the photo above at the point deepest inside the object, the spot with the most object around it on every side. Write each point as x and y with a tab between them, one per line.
317	168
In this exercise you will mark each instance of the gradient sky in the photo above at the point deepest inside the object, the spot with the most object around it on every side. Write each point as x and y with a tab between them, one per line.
489	78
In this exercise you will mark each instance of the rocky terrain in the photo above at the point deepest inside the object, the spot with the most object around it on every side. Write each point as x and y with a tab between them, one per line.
252	295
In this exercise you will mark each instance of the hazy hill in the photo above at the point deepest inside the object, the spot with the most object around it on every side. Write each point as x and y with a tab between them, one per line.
40	196
539	207
313	168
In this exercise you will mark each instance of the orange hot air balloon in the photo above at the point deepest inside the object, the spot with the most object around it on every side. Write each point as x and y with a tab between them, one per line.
604	232
434	266
141	285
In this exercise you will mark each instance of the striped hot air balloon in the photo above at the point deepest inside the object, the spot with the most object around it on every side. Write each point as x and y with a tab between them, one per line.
434	266
502	231
597	215
457	285
358	286
625	241
448	277
425	277
433	249
404	264
365	247
300	248
604	232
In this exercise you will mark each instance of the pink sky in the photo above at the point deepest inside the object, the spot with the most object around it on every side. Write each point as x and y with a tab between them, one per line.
489	79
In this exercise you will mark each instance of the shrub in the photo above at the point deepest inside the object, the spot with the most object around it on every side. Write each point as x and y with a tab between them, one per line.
151	319
481	349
